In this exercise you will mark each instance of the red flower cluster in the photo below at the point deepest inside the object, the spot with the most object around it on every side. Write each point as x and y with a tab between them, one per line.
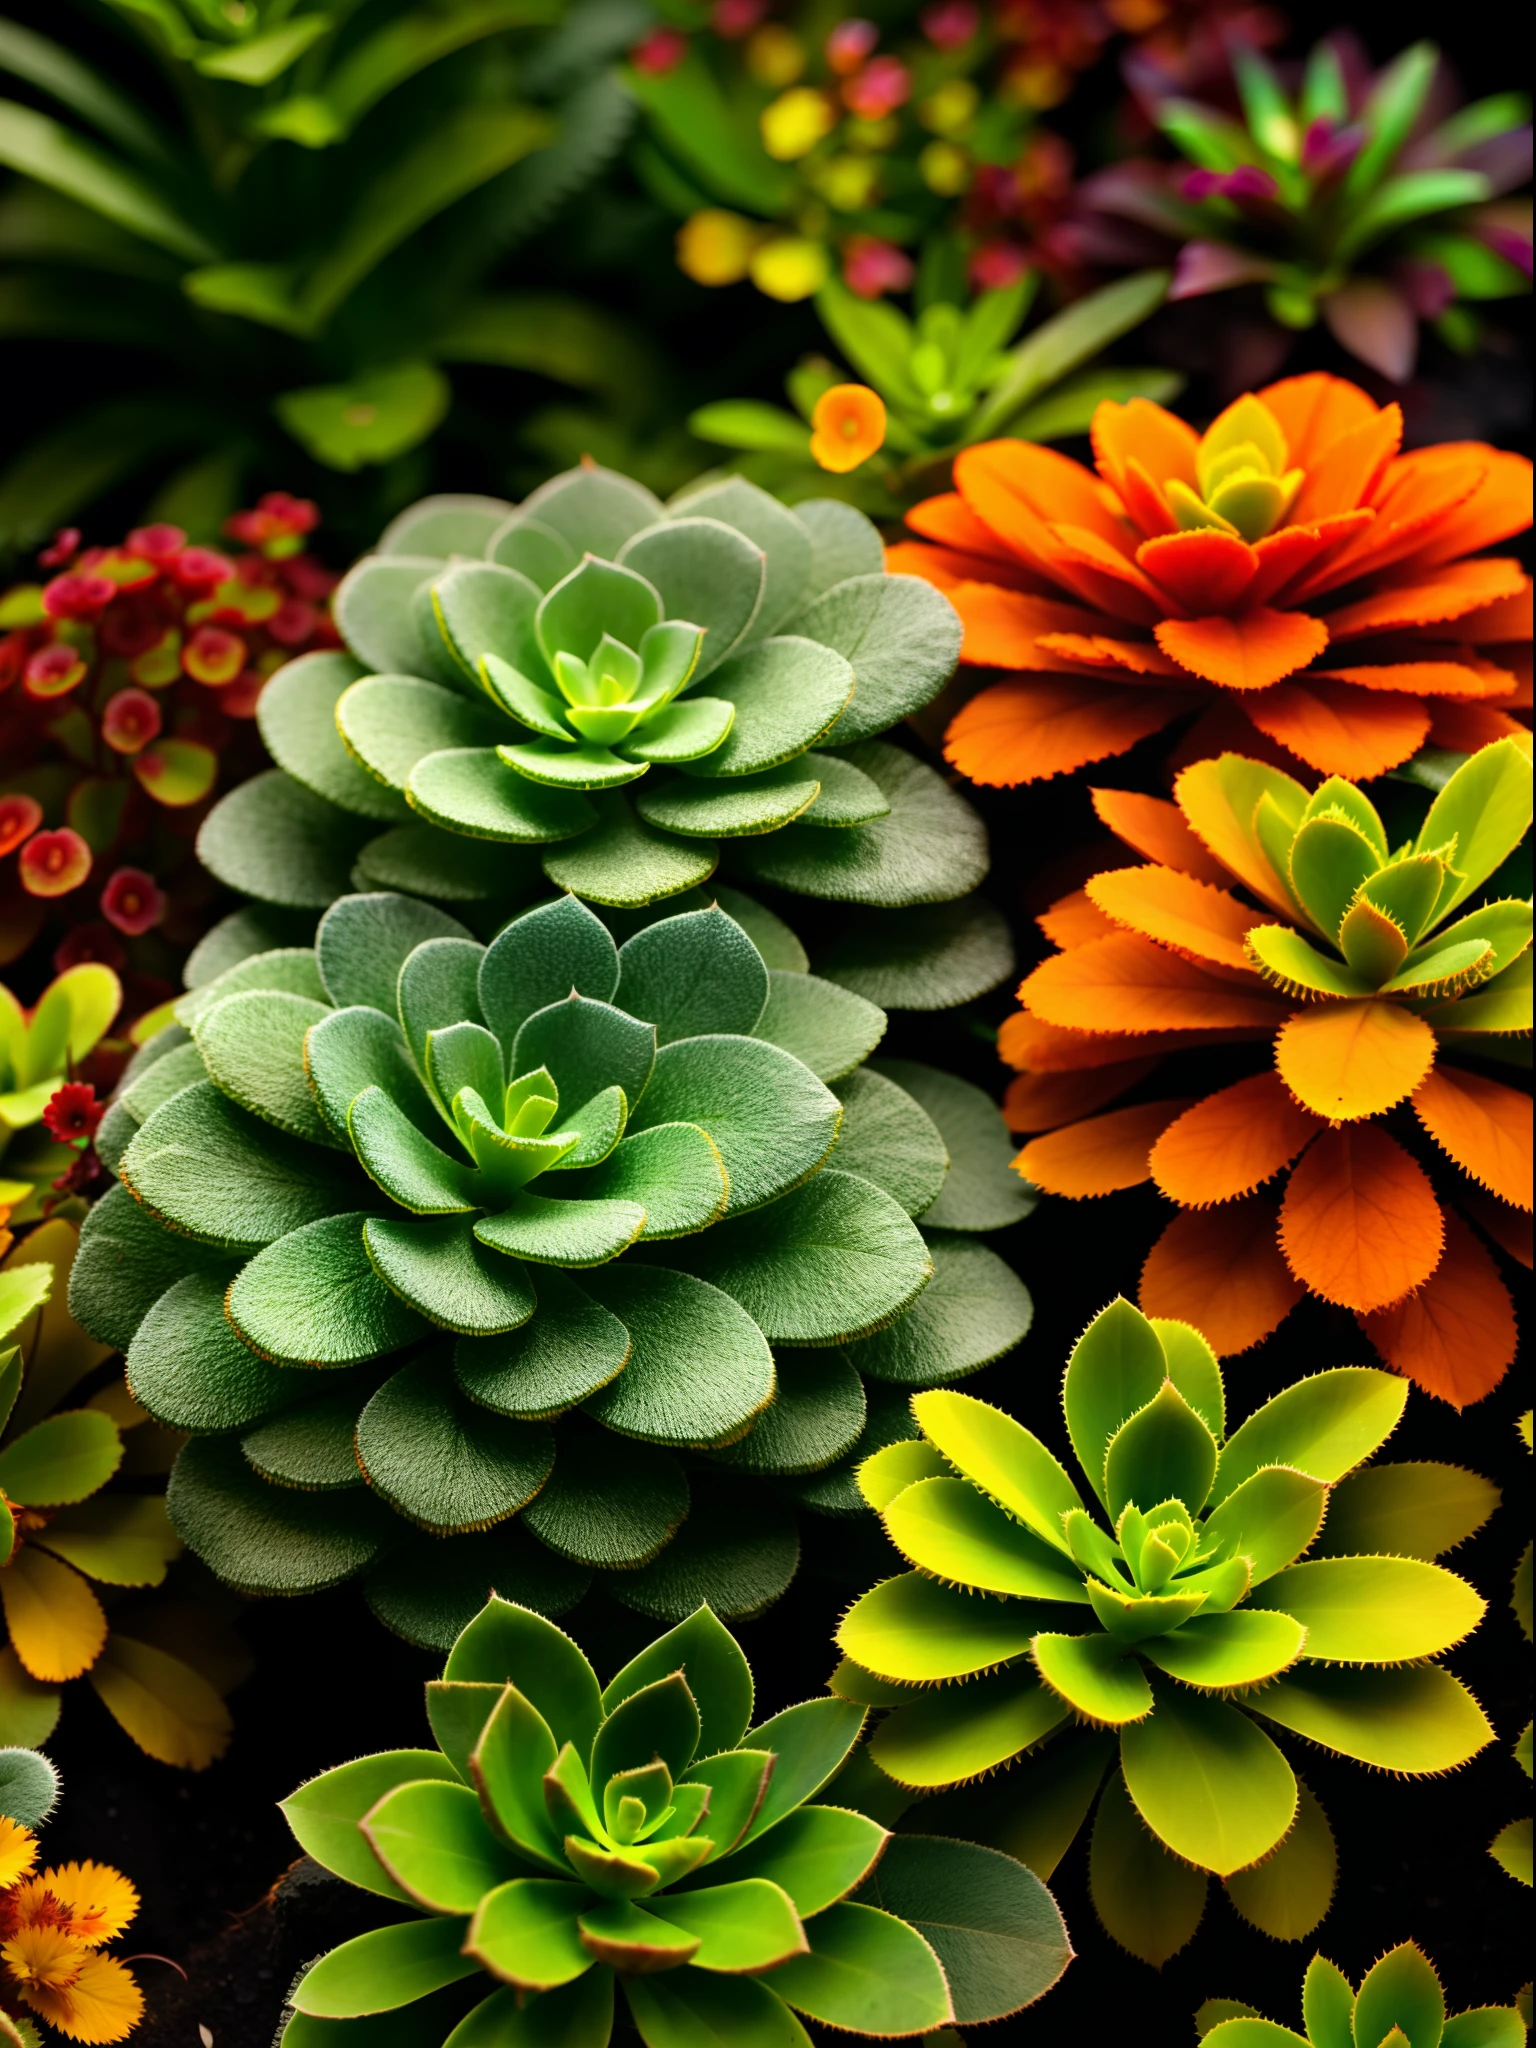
127	679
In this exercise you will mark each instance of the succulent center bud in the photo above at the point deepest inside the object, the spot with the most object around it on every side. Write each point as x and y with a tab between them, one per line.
1244	486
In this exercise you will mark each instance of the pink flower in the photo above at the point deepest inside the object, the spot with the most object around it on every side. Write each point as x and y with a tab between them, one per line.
130	721
872	267
53	863
949	23
77	595
200	568
1246	182
55	670
849	44
20	817
213	656
292	623
879	89
92	940
159	544
734	19
997	265
133	901
62	549
662	51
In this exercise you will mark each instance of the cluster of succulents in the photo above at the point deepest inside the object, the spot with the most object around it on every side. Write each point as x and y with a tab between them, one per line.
128	682
1211	1580
588	1854
1399	1995
1392	967
574	1232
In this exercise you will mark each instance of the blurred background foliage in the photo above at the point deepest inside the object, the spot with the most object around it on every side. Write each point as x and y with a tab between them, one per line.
361	249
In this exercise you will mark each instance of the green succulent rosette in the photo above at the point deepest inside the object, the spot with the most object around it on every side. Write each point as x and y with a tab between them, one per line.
1205	1592
619	697
575	1852
1399	1999
477	1265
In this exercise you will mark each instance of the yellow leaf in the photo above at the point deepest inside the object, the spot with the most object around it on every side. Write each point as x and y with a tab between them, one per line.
56	1623
162	1703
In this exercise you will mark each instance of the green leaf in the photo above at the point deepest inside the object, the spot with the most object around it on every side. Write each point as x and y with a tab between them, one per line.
830	1030
1400	1991
39	147
692	974
360	1051
506	1644
1397	96
1328	2004
1218	1651
918	1632
706	573
626	863
576	2015
1410	1510
202	1165
569	1349
1149	1901
689	2008
843	543
593	508
749	423
313	1298
363	941
597	597
1373	1610
953	1733
124	1540
261	58
948	1528
269	1539
296	714
60	74
434	1842
587	1046
609	1503
1284	957
809	1743
886	1138
743	806
472	790
1095	1675
410	1169
817	1416
390	723
29	1786
1413	1719
290	968
511	1750
835	1258
540	959
324	1812
443	1463
673	1171
1269	1520
1287	1894
375	416
702	130
736	1551
525	1932
866	1971
1003	1458
902	637
274	839
772	1121
387	1968
848	796
1486	807
438	987
680	733
62	1458
435	1264
1061	344
191	1371
787	693
311	1446
1162	1452
932	848
374	607
699	1368
981	1191
252	1045
1330	858
1207	1781
1067	411
717	1673
817	1855
748	1925
1324	1426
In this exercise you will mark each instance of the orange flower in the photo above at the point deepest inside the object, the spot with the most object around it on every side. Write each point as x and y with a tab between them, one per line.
51	1931
1289	574
1355	982
848	426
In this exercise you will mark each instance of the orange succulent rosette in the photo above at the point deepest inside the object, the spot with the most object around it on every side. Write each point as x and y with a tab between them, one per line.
1289	573
1214	940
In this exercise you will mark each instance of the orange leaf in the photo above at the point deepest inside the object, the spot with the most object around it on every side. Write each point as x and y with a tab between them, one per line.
1043	1102
1497	510
1418	496
1315	411
1221	1270
951	522
1219	797
1199	921
1143	432
1450	593
1484	1126
1121	586
1425	678
1156	828
1456	1336
1001	625
1360	1224
1339	729
1039	726
1463	728
1507	618
1073	920
1128	984
1286	555
1035	1047
1205	571
1100	1156
1245	653
1014	486
945	567
1348	1060
1144	500
1230	1143
1346	473
1099	650
1509	1229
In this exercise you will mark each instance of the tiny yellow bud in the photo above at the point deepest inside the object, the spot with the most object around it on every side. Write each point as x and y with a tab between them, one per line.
715	247
796	122
951	108
944	168
848	182
790	268
775	55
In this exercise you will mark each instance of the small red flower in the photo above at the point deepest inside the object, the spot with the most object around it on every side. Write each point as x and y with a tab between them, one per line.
53	863
77	595
734	19
20	817
54	671
132	626
130	721
872	267
949	23
72	1113
200	568
660	52
213	656
879	89
292	623
849	44
276	525
133	901
160	544
61	549
91	941
996	265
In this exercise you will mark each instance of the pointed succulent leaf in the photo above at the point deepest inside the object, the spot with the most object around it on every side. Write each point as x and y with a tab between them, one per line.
1340	798
587	1046
506	1767
1095	1675
433	1841
771	1120
717	1674
458	1710
1207	1780
568	1795
1117	1366
817	1855
866	1970
697	2005
1134	1617
596	597
506	1644
888	1472
411	1170
660	1720
1324	1426
527	1933
1328	2005
1269	1519
1373	946
1163	1452
705	572
913	1630
947	1734
692	974
364	940
1486	808
542	957
1288	1894
325	1811
946	1527
1408	1510
1002	1458
629	1939
1287	960
737	1783
611	1873
748	1924
1148	1900
1444	971
384	1970
597	1127
1406	891
1373	1610
1330	858
1217	1651
808	1743
438	987
1400	1991
464	1056
1505	925
1413	1718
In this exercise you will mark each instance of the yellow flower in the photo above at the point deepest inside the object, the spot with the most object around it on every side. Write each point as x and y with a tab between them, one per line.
18	1851
99	1899
44	1958
951	108
790	268
775	55
944	168
796	122
848	425
102	2005
714	247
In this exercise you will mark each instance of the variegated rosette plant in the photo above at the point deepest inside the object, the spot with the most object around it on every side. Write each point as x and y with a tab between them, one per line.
617	697
1207	1588
417	1236
582	1853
